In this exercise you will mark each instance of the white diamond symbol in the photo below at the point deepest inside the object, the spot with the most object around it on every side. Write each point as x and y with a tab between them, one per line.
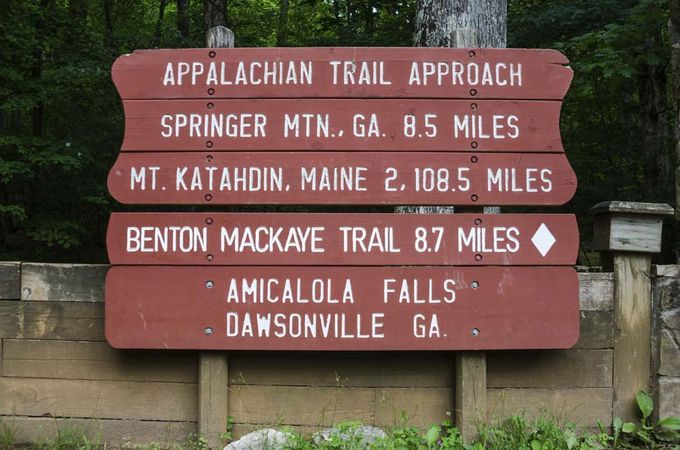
543	239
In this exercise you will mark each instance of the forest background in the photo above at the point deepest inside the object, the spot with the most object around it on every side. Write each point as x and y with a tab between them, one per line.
61	120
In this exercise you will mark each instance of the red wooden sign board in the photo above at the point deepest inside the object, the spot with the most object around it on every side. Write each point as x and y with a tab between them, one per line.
342	72
342	124
342	178
342	239
341	308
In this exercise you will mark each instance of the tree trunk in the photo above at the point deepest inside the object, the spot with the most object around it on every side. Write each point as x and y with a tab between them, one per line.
282	31
182	19
38	111
108	25
215	13
674	37
438	22
159	23
654	114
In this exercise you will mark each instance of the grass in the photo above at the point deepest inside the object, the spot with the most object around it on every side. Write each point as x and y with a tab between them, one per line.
513	433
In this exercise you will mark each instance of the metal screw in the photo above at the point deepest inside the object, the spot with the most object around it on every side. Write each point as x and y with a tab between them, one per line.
209	220
208	331
474	197
473	92
209	284
474	159
475	331
209	158
211	91
211	105
208	197
209	257
471	53
473	144
209	144
478	257
473	105
212	54
474	285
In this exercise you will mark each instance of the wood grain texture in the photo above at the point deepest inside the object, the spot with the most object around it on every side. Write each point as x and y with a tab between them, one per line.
339	239
63	282
10	280
342	369
324	406
470	391
581	406
303	405
632	340
213	396
627	233
52	320
596	291
94	361
596	330
207	178
140	75
516	315
356	125
115	432
550	369
98	399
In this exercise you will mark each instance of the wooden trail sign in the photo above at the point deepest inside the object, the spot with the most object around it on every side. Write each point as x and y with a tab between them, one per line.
341	308
342	124
342	178
342	72
341	239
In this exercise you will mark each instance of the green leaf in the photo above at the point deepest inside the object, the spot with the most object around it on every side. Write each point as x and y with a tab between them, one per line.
432	434
670	423
535	445
644	401
628	427
618	423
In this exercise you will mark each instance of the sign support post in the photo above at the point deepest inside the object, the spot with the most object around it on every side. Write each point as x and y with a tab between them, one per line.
213	367
630	233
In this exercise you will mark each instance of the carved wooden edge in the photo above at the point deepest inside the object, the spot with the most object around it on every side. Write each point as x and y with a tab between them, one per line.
622	207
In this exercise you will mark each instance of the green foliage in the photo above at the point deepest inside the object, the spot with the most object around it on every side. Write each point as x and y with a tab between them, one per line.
61	121
648	433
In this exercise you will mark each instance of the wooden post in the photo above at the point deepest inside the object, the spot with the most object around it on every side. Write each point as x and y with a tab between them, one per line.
213	368
629	233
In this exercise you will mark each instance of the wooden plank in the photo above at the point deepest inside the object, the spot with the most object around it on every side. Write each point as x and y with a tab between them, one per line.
303	405
52	320
98	399
94	361
550	369
356	125
341	178
420	407
63	282
628	233
341	239
581	406
596	330
213	395
10	280
116	433
632	318
505	308
340	369
392	72
470	391
596	291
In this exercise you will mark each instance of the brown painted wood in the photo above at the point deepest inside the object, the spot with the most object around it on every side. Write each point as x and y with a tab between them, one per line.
189	307
141	74
342	178
342	124
325	239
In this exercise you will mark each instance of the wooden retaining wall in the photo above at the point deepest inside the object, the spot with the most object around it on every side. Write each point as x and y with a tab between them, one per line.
56	368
